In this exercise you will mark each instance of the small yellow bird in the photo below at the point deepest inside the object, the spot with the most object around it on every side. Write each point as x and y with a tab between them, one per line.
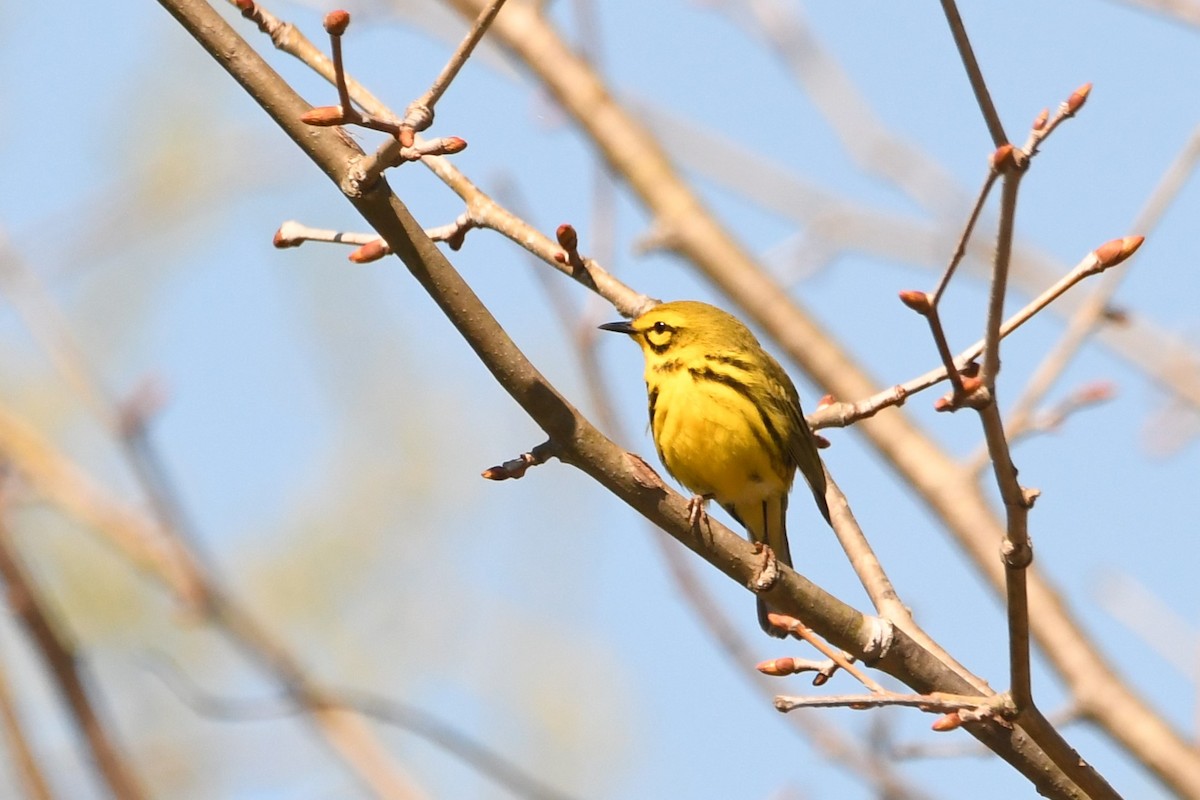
726	419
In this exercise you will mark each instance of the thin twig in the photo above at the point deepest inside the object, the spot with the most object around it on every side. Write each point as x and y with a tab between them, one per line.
67	669
841	414
998	290
960	249
801	631
1015	549
465	48
482	210
30	773
925	702
419	723
1091	313
982	96
419	114
878	586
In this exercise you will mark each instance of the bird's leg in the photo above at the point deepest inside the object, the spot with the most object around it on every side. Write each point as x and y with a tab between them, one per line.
696	511
768	568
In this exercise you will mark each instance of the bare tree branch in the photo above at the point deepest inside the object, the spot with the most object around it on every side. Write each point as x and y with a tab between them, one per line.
25	763
68	670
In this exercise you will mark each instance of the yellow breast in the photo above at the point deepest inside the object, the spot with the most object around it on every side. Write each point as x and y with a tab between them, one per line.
713	440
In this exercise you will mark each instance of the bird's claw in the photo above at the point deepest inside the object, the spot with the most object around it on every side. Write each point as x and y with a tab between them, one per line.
696	512
768	570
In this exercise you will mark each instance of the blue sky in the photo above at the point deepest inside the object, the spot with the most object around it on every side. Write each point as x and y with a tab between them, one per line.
326	427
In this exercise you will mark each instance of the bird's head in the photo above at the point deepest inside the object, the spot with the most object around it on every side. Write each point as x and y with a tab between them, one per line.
670	328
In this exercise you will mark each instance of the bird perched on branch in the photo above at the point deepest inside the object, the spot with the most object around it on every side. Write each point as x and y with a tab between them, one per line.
726	420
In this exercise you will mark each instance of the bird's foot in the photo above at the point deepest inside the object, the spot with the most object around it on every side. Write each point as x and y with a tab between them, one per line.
696	511
768	569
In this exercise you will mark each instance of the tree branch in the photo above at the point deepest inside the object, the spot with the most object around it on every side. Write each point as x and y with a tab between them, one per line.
67	669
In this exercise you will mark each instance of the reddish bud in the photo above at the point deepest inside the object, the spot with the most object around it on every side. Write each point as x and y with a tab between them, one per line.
1040	121
453	144
943	404
820	679
777	667
917	301
821	442
826	401
323	116
281	241
568	239
405	135
1002	159
1112	253
561	257
1078	98
336	22
947	722
970	384
494	474
371	251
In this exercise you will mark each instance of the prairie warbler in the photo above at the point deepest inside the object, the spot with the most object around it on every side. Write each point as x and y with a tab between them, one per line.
726	419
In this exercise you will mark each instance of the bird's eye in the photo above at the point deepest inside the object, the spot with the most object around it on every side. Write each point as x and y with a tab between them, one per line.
659	336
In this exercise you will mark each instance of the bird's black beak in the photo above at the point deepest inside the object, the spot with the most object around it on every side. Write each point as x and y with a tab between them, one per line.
624	326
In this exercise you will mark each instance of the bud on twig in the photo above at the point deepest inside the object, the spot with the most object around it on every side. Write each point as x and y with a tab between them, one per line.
970	384
371	251
917	301
777	667
1078	98
282	240
568	239
1114	252
336	22
947	722
1002	158
323	116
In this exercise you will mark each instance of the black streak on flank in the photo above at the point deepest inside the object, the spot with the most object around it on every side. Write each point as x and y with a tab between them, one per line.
733	361
708	374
